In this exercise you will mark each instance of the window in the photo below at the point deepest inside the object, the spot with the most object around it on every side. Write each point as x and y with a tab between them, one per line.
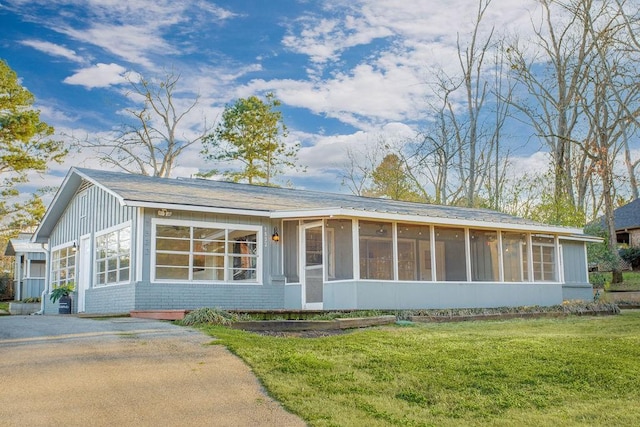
376	251
485	264
450	247
514	257
544	264
113	257
414	252
63	266
202	253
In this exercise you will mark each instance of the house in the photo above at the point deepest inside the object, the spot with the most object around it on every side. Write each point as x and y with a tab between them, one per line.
131	242
29	268
627	223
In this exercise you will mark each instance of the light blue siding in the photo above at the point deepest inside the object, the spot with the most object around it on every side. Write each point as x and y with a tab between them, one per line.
426	295
576	282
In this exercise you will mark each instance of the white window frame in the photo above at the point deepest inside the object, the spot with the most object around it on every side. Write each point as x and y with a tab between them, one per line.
555	258
111	230
259	230
69	278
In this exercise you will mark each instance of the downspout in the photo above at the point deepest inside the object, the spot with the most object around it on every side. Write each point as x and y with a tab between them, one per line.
46	278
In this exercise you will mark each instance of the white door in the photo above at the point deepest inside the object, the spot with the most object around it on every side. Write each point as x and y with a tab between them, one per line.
312	256
84	271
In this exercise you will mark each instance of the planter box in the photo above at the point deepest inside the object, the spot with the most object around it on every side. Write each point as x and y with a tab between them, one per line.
23	307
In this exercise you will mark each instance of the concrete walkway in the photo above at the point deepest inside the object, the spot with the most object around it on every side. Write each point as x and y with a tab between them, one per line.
59	370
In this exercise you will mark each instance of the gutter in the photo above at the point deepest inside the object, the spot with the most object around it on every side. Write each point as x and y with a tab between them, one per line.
46	279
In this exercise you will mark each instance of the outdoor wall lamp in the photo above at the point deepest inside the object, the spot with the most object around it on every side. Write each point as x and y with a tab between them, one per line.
74	248
275	236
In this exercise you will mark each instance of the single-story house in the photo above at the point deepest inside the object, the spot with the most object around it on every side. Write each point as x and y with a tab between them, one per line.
29	266
627	223
131	242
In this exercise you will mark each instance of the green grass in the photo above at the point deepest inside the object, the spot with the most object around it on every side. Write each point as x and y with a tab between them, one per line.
4	306
631	280
571	371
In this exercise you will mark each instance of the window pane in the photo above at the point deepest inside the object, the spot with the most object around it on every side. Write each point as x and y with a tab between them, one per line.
450	254
174	231
173	245
209	274
177	273
484	255
172	259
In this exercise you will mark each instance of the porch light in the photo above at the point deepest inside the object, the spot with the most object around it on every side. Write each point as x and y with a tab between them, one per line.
275	236
74	248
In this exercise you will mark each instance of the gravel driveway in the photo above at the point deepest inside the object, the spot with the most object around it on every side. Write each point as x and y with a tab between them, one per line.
62	370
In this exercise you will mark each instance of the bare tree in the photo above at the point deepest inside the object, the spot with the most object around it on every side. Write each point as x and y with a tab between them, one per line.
553	73
156	137
461	152
611	102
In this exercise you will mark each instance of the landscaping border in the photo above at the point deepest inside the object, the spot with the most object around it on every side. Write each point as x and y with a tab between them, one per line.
312	325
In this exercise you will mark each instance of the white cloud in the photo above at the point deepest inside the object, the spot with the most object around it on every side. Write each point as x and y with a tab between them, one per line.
100	75
53	49
391	83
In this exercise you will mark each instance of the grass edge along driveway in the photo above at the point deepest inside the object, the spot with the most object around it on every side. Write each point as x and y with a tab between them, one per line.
570	371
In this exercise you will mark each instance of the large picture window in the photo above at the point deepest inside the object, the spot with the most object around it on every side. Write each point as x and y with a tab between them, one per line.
202	253
63	266
113	257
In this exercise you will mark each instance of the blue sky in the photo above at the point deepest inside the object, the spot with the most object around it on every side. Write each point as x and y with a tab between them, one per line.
347	72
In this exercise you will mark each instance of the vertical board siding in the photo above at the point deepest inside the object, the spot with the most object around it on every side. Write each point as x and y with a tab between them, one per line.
574	262
102	211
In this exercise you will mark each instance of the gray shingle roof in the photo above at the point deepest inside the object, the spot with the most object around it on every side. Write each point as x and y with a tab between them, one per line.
138	189
628	216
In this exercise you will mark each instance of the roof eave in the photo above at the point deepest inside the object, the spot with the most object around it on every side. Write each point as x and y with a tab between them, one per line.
342	212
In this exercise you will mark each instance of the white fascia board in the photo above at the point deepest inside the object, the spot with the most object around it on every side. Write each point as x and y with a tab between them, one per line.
583	238
341	212
195	208
51	210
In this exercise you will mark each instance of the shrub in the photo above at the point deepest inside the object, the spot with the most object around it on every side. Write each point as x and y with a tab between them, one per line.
632	256
598	280
208	316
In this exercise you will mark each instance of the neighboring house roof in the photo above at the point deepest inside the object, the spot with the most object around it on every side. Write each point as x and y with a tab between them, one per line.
273	202
22	246
627	216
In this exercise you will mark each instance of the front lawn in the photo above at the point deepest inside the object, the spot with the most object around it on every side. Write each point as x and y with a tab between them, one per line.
570	371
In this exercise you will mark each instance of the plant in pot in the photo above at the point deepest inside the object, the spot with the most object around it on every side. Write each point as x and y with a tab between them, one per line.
63	293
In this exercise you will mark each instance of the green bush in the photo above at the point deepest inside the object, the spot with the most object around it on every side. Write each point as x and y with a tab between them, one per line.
632	256
208	316
598	280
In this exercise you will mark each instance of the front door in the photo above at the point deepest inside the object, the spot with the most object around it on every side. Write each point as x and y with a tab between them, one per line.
312	257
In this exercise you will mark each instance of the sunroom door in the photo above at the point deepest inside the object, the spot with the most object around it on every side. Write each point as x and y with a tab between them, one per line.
312	265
